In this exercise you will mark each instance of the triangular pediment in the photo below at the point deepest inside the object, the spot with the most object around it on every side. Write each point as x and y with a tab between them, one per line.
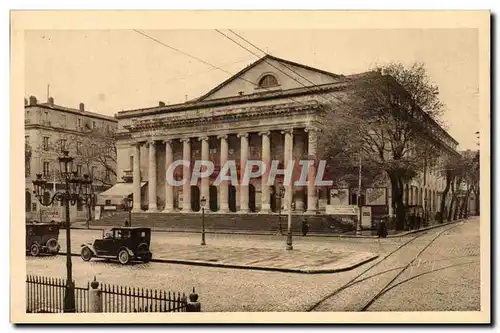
281	75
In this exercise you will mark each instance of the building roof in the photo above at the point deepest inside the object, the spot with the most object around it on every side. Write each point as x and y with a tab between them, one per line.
83	113
263	59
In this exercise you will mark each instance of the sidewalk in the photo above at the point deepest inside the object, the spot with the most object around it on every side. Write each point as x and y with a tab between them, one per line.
364	233
268	259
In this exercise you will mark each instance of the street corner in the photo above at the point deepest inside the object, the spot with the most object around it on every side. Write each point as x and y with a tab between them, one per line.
268	259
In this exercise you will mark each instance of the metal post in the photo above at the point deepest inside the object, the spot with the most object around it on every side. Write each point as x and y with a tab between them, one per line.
130	215
289	245
69	295
358	225
203	225
279	213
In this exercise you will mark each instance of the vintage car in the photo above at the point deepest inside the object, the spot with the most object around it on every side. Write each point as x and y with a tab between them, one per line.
42	238
123	243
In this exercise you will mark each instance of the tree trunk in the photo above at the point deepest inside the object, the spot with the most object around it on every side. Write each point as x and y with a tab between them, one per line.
450	209
457	206
463	209
397	200
443	200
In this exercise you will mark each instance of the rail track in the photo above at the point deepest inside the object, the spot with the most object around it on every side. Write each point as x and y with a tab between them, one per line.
400	270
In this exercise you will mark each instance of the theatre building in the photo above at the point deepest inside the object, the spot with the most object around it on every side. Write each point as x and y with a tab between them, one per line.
260	113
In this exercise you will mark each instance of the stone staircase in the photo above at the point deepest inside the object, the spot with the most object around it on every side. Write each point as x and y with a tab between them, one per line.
228	222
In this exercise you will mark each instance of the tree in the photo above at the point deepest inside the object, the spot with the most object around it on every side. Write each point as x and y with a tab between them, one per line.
388	119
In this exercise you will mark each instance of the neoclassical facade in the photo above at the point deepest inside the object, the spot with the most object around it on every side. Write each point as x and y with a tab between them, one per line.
260	113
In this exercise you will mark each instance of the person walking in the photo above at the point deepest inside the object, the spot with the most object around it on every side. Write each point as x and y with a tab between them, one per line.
126	223
305	227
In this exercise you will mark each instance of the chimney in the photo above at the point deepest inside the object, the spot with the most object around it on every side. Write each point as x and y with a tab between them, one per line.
33	100
25	101
161	103
82	107
51	101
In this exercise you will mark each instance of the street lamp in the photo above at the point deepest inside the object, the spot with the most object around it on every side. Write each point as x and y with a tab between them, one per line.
76	189
203	202
291	205
281	195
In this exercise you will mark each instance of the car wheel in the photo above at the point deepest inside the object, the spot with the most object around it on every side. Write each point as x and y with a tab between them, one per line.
53	245
123	257
86	254
35	250
147	257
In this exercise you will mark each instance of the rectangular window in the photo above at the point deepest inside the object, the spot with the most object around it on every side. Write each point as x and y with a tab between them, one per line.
46	116
79	205
46	169
78	148
63	121
79	123
108	202
131	162
63	144
79	169
93	124
33	206
28	117
45	143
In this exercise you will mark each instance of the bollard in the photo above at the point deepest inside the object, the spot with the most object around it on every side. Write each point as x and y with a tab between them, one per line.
95	300
193	305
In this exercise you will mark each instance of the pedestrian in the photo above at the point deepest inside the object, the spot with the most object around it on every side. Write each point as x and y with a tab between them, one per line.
419	220
126	223
305	227
382	229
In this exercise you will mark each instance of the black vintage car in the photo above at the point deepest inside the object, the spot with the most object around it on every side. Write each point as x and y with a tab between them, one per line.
124	243
42	238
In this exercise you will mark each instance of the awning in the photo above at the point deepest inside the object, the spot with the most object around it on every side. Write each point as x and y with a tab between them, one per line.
120	190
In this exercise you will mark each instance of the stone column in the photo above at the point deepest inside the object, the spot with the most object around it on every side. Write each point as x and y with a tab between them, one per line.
223	186
266	158
152	206
288	150
312	198
186	175
169	189
137	178
244	208
205	189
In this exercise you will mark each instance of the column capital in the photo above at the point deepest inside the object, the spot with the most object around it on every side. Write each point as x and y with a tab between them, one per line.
242	135
137	144
203	138
222	136
267	133
312	129
169	141
287	131
185	140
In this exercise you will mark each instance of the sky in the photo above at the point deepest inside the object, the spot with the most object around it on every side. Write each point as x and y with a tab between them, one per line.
114	70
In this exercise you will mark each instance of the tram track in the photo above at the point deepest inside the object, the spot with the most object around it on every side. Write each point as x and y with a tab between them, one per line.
356	280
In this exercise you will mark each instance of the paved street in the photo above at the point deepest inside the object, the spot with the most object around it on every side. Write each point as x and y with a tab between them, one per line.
225	289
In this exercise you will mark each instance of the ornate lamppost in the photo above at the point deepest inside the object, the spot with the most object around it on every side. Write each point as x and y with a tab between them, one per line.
203	202
76	189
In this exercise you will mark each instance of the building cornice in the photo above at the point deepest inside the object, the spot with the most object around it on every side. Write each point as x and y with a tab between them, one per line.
172	121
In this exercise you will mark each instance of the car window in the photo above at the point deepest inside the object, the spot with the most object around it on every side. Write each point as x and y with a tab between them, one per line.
123	234
143	234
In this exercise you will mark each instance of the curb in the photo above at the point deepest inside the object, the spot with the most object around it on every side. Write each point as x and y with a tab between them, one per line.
262	268
257	233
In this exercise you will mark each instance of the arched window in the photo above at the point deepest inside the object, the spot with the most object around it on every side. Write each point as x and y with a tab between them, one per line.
268	80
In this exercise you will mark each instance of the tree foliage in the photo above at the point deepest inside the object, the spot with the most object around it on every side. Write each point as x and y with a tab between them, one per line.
388	120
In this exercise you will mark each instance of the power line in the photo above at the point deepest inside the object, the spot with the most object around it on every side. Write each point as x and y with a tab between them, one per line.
206	62
285	65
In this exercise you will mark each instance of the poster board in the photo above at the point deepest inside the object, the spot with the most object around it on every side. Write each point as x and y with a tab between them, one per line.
339	196
375	196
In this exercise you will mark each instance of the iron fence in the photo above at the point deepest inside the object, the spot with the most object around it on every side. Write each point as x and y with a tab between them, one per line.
127	299
44	294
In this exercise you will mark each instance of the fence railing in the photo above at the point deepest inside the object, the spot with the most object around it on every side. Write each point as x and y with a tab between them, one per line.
45	294
126	299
